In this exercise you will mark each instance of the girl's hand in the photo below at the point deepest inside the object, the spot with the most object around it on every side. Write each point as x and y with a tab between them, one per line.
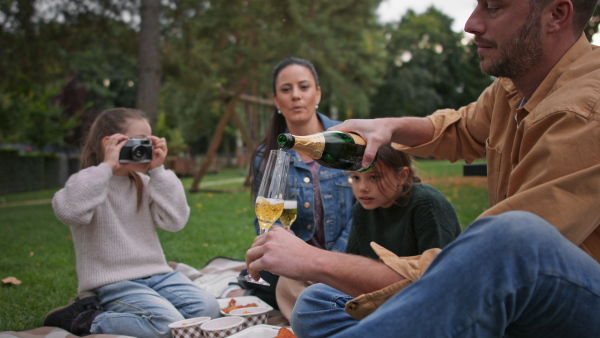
159	153
112	148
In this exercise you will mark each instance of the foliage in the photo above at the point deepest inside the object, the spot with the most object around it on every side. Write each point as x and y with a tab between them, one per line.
428	67
214	49
33	117
77	70
84	52
175	142
592	26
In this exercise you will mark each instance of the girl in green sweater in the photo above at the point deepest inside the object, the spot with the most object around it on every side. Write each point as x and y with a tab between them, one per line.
397	211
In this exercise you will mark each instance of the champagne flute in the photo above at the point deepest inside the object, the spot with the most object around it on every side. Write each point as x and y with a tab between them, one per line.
269	201
290	206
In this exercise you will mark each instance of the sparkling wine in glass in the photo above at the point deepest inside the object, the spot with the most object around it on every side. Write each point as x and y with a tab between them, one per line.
290	206
269	200
267	211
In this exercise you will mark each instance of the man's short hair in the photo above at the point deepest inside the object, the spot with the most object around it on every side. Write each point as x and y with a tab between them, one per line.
582	11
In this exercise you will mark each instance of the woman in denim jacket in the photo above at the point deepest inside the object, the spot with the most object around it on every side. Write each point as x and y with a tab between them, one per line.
325	196
336	199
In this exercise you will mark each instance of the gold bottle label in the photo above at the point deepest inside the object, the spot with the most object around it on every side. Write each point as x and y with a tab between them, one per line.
312	146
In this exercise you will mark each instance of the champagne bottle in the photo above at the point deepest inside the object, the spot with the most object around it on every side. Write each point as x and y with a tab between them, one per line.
333	149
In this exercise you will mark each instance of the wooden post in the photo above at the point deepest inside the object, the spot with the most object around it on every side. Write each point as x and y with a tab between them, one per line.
232	100
214	144
245	133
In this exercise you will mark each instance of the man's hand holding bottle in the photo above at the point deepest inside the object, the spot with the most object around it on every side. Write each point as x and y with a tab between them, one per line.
408	131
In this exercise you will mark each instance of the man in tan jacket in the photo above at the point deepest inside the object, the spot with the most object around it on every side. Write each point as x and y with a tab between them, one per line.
511	272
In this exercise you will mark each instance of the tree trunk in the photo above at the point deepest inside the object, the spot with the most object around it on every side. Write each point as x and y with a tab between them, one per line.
148	88
215	142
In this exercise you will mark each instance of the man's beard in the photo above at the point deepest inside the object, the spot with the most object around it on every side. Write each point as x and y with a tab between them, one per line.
521	53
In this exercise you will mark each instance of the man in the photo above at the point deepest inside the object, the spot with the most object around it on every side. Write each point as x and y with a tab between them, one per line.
509	274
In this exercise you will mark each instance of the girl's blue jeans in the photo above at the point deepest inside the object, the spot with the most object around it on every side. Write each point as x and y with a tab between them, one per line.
145	307
511	275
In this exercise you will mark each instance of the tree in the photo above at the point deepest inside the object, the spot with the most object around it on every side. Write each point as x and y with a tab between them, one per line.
215	47
592	26
428	67
149	59
60	51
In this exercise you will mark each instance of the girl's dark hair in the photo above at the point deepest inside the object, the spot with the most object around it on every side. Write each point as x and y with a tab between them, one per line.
110	122
390	158
277	124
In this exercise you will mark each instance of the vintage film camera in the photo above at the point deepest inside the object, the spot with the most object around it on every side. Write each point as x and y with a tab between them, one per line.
136	150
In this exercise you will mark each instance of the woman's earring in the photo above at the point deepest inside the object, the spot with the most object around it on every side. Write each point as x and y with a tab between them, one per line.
317	106
278	111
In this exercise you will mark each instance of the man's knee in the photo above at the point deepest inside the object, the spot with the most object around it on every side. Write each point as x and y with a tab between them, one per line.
512	226
308	295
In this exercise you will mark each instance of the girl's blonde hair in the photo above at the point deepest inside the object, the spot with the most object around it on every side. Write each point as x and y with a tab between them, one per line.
395	161
110	122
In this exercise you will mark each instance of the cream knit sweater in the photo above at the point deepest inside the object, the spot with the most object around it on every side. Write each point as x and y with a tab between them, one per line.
113	241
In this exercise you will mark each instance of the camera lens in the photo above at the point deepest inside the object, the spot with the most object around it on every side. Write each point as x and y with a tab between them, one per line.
139	153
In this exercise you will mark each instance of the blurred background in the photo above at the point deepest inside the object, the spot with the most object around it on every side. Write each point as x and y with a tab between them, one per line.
202	71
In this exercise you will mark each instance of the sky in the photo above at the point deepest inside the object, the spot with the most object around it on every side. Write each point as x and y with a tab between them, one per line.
459	10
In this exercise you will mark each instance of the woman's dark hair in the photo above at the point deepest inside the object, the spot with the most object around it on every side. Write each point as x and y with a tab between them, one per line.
277	124
110	122
396	160
292	61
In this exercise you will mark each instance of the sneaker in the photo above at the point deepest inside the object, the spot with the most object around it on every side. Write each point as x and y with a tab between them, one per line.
78	310
83	323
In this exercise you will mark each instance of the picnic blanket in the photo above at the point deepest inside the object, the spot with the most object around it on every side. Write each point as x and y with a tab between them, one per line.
218	272
52	332
216	275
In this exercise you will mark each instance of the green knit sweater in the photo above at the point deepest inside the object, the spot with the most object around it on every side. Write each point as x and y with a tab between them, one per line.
427	221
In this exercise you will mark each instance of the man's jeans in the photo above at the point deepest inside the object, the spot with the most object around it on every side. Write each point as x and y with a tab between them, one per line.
509	275
145	307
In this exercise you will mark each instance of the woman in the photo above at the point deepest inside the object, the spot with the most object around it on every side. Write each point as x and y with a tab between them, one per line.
325	196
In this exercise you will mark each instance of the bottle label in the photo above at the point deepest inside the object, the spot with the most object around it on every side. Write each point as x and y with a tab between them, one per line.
313	147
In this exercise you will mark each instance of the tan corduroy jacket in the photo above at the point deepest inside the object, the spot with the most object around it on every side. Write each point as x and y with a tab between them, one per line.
543	157
410	267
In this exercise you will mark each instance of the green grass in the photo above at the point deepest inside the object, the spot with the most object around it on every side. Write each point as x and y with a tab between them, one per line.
28	196
469	195
37	249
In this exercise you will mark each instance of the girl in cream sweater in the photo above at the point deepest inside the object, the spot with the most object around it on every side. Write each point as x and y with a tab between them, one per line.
113	209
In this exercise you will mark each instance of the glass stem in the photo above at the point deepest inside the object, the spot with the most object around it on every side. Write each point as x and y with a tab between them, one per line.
264	227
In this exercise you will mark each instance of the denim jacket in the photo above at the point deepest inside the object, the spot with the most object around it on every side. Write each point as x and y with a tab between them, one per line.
336	194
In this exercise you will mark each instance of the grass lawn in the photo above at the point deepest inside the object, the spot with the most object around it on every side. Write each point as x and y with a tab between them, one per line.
37	249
